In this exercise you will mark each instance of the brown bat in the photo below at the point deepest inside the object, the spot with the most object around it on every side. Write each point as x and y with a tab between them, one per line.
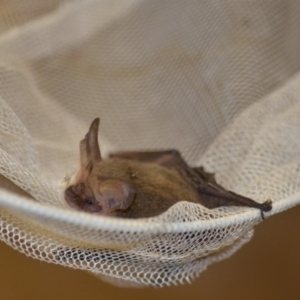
143	184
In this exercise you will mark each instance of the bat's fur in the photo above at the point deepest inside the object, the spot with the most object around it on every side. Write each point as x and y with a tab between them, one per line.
143	184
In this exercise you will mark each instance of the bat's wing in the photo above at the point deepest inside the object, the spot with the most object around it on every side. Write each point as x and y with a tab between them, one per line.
210	193
167	158
213	195
207	177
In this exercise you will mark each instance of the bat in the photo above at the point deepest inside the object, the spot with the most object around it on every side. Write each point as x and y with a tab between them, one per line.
143	184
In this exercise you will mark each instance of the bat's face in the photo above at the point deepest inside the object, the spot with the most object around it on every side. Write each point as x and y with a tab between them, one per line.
81	196
90	192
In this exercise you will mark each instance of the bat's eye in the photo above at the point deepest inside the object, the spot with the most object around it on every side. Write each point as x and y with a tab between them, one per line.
91	205
89	202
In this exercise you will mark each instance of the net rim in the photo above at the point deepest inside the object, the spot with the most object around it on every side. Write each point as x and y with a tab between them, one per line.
18	203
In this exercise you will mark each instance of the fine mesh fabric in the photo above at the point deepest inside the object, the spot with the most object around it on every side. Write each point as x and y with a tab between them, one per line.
216	80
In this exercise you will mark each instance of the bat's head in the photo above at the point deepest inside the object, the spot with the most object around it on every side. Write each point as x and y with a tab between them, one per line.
90	192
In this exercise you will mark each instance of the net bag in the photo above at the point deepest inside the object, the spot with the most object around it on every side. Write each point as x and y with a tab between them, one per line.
216	80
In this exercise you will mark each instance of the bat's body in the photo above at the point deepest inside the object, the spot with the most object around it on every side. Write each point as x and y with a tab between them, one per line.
143	184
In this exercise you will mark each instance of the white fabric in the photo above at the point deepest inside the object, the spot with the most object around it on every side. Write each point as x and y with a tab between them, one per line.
216	80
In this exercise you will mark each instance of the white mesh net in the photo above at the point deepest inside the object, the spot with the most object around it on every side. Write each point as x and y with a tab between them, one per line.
214	79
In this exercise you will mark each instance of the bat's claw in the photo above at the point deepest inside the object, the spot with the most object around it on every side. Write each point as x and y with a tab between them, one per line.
266	206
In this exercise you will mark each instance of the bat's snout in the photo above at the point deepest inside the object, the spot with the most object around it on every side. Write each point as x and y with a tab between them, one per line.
80	198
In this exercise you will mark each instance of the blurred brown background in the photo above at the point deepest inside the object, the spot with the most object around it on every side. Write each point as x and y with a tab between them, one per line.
266	268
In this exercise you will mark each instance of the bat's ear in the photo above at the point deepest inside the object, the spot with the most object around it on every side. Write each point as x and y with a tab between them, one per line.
89	148
114	194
